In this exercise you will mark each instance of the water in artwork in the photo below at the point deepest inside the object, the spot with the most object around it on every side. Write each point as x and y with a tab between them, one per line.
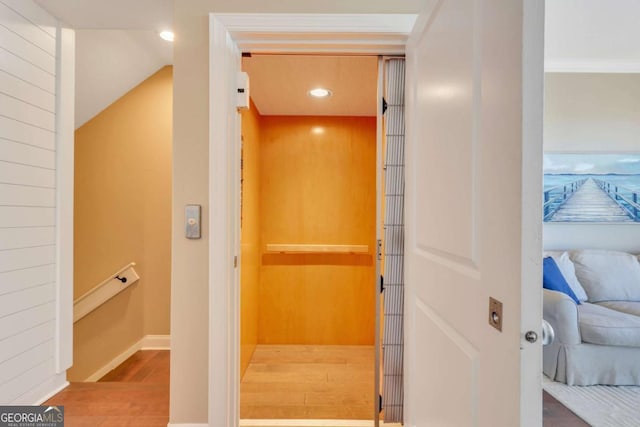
592	188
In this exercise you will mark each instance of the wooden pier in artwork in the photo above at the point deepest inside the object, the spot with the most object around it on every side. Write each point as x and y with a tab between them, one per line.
591	200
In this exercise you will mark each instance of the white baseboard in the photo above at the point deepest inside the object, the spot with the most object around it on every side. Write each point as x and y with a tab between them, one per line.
56	389
114	363
43	391
186	425
148	342
156	342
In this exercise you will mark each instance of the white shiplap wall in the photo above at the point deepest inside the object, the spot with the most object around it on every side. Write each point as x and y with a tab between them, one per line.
29	292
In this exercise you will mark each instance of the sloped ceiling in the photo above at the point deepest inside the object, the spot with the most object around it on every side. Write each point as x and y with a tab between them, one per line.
109	63
117	47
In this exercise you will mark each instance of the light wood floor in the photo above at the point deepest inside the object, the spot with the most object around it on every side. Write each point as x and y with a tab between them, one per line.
136	393
308	382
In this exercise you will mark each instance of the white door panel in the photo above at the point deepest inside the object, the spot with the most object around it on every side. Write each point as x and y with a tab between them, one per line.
464	217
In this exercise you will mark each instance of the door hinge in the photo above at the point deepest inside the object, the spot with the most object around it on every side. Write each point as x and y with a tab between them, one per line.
379	250
381	283
380	403
235	261
384	105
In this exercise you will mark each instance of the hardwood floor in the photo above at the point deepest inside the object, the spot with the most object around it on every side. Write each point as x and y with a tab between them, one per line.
135	394
148	366
332	384
555	414
308	382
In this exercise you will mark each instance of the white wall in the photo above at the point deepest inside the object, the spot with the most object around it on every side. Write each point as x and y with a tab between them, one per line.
587	112
32	361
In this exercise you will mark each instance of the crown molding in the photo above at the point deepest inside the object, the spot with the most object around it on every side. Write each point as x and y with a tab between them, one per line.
319	33
578	66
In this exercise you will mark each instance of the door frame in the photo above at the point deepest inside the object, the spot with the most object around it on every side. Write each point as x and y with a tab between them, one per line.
372	34
65	107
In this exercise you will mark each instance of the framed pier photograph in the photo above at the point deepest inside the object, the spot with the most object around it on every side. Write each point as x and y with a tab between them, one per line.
591	187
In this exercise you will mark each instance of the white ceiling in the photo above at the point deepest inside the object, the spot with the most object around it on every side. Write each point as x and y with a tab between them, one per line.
117	47
581	35
154	15
592	35
279	84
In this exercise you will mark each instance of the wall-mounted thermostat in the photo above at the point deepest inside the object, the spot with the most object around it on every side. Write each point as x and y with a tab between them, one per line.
192	221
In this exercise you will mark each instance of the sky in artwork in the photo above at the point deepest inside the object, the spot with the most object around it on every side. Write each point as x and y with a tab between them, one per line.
591	164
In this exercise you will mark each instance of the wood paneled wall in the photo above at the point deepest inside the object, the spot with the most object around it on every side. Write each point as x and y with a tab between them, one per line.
317	186
28	295
250	236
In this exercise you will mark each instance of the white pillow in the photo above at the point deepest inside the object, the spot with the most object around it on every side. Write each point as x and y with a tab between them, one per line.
553	254
608	275
566	267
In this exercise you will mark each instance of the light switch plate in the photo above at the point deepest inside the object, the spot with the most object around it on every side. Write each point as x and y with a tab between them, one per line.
192	221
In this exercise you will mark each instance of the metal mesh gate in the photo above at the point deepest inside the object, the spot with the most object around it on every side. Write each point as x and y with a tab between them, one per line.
392	341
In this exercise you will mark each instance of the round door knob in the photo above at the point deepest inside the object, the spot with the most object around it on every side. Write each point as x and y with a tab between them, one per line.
531	336
548	334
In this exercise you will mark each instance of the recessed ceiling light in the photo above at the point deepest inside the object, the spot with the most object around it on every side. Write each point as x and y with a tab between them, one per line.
167	35
320	92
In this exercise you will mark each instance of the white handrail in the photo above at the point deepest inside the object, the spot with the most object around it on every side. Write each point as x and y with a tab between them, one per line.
103	292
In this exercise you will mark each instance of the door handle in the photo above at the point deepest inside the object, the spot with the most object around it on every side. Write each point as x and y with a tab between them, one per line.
548	334
531	336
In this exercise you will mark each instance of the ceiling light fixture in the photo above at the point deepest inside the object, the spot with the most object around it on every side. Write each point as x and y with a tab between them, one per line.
320	92
167	35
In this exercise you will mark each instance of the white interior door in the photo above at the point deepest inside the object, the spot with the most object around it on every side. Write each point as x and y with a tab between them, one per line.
473	215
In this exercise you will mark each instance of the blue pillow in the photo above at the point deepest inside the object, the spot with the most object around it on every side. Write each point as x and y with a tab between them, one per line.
553	279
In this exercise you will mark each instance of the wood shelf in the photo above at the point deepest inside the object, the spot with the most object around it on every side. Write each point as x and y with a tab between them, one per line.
295	248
